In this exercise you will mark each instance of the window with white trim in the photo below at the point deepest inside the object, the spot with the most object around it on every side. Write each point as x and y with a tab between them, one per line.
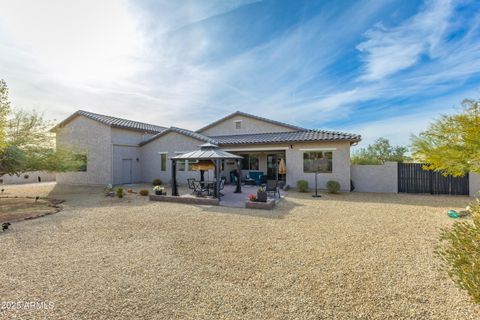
250	161
318	161
163	161
190	164
238	124
181	164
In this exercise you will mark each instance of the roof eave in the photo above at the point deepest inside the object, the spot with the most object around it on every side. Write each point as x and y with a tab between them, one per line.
290	141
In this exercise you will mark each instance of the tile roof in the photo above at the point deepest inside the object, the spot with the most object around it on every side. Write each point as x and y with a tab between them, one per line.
240	113
185	132
279	137
115	122
300	135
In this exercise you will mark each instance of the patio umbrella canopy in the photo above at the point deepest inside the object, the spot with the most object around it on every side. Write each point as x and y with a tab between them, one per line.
208	153
282	168
204	165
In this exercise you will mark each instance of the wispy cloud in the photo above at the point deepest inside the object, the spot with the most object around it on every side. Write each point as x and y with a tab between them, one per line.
316	64
389	50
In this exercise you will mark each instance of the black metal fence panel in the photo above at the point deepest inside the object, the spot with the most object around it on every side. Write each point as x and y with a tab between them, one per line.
412	178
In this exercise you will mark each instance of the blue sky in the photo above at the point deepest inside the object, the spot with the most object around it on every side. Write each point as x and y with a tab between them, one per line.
378	68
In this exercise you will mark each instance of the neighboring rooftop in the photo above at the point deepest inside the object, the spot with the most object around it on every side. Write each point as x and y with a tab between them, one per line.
240	113
293	136
115	122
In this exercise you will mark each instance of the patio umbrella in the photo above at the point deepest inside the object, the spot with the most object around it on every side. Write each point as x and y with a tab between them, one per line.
282	168
203	165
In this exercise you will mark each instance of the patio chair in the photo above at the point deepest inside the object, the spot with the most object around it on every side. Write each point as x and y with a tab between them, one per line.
222	185
199	188
211	188
272	186
190	184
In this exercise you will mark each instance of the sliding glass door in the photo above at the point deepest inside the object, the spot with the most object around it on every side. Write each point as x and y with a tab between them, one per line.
273	163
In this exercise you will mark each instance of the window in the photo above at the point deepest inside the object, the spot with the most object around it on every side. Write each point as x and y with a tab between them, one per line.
163	162
250	161
181	164
238	124
82	162
320	161
191	163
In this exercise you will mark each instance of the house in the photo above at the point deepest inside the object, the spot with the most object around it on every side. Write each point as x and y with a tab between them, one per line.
121	151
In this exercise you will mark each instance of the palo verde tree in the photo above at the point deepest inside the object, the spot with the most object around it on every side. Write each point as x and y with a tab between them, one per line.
26	144
452	143
379	152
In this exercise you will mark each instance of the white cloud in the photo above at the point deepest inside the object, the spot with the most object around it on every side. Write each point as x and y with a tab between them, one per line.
389	50
82	43
144	61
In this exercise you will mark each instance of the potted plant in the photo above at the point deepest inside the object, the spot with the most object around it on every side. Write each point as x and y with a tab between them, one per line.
262	194
252	197
159	190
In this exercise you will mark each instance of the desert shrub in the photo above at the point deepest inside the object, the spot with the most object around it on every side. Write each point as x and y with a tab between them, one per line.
156	182
333	186
459	252
302	185
120	192
144	192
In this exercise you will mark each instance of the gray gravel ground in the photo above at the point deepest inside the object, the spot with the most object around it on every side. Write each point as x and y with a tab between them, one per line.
349	256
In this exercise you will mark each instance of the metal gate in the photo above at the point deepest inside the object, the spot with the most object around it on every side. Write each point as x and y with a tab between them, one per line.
413	179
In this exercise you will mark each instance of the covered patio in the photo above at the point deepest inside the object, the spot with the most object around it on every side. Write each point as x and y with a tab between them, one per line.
210	192
210	156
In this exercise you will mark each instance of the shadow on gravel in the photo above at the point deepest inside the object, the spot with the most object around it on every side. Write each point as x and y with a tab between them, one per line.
94	196
283	208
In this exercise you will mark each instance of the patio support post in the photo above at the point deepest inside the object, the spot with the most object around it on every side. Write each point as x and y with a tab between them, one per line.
174	178
239	182
217	178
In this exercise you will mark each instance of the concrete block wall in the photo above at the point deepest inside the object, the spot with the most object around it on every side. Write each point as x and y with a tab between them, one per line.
375	178
474	183
28	177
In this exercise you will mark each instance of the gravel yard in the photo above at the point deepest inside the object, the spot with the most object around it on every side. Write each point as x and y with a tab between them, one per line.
348	256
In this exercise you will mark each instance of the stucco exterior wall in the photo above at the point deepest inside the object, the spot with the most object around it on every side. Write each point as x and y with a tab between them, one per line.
171	143
94	139
375	178
249	125
474	184
128	137
294	162
28	177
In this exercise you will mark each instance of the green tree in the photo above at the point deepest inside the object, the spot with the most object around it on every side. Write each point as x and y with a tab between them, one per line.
459	251
452	143
379	152
4	110
26	144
